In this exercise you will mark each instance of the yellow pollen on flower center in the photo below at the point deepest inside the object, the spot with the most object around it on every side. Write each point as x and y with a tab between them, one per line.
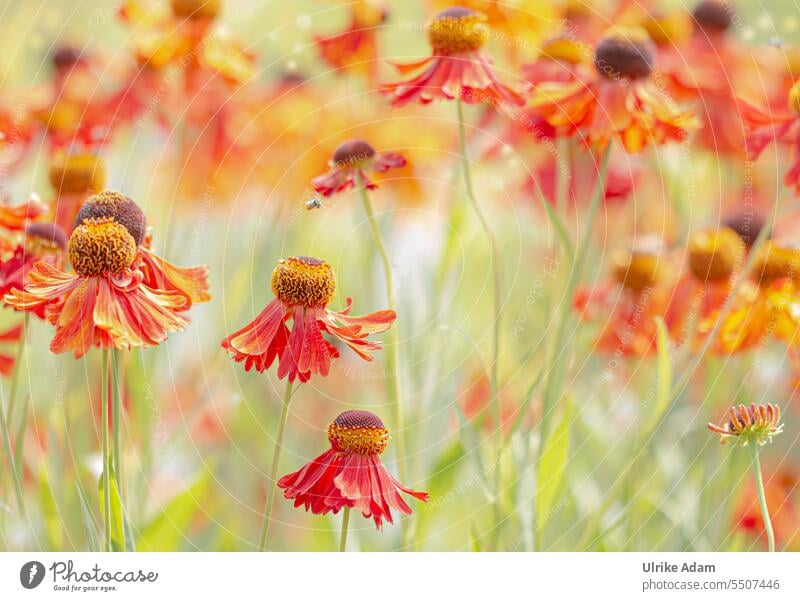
458	30
359	432
304	281
100	246
715	254
77	174
195	9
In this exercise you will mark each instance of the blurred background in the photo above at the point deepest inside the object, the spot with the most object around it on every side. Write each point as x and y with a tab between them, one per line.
198	430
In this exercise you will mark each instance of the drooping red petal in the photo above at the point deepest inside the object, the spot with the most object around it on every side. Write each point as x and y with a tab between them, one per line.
262	340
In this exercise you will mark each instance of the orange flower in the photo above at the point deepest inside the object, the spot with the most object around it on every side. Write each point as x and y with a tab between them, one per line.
350	473
303	287
16	218
710	69
106	302
351	159
617	99
355	49
783	127
457	67
714	255
183	31
629	301
159	274
768	305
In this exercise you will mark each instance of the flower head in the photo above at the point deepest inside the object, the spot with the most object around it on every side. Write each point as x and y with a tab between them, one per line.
352	160
106	303
756	424
714	16
189	282
303	287
41	242
616	99
457	66
714	254
355	49
350	473
79	173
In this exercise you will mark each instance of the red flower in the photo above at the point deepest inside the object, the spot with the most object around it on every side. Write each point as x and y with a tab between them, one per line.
42	242
303	287
355	48
354	157
13	334
629	301
159	274
105	303
617	100
764	126
701	292
457	67
350	473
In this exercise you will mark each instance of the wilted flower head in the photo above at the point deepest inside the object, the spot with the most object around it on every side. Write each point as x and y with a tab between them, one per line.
350	473
756	424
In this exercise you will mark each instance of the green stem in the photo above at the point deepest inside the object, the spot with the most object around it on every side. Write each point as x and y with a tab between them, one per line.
116	419
104	381
557	363
276	457
762	498
12	393
496	266
345	524
392	360
11	461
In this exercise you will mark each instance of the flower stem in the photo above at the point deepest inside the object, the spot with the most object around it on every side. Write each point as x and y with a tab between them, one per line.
345	524
116	419
497	267
104	381
12	392
276	457
762	498
557	363
392	348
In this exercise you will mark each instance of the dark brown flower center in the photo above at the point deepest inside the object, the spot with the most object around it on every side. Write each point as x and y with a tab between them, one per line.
352	153
625	56
46	235
304	281
713	15
458	30
747	225
359	432
116	205
99	247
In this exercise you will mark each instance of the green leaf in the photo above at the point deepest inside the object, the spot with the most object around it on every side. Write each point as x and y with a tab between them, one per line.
93	535
664	378
50	513
117	513
167	530
552	466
